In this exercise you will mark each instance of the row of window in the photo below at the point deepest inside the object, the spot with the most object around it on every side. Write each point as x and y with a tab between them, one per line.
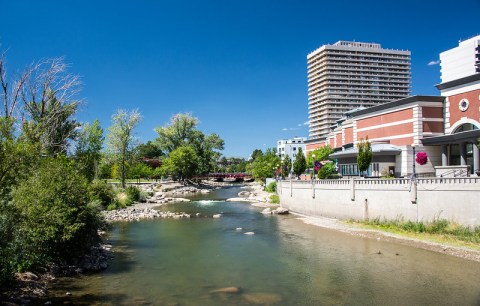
352	169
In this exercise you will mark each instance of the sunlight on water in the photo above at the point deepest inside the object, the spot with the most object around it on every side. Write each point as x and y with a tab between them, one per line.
206	261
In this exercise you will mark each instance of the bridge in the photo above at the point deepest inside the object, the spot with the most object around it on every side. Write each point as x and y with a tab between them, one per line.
227	177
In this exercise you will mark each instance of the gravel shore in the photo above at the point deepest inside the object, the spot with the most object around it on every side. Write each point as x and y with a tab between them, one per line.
351	229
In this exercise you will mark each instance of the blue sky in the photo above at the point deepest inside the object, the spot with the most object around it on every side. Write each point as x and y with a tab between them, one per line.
239	66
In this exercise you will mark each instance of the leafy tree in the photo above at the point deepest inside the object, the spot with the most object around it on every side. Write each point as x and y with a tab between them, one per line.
365	155
265	165
286	166
50	124
89	145
181	163
300	164
182	131
205	147
321	154
140	170
148	150
105	167
255	154
121	139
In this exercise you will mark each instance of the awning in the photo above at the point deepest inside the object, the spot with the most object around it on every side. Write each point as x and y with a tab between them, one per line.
377	150
467	136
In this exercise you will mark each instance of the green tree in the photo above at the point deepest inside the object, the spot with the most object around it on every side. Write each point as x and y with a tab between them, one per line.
256	154
140	170
121	140
286	166
205	148
365	155
182	163
50	124
182	131
300	164
321	154
264	165
89	145
148	150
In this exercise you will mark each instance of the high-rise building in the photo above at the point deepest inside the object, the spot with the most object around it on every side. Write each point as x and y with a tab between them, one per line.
461	61
350	75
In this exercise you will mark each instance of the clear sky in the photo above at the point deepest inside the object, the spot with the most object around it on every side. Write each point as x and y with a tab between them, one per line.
239	66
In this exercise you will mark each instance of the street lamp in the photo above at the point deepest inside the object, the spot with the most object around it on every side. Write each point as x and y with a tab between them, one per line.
313	163
414	174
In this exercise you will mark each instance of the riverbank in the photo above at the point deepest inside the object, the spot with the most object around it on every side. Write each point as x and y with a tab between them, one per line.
356	229
167	193
31	288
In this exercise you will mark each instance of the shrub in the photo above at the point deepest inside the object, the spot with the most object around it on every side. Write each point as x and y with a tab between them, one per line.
99	190
56	220
274	199
272	187
122	200
133	193
112	206
144	195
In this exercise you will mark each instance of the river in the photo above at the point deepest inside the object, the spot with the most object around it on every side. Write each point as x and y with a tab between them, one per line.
286	262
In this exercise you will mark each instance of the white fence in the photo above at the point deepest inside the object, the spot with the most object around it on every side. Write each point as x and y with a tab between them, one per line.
425	199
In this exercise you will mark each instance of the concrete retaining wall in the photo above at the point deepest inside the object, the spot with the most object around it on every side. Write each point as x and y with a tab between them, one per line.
454	199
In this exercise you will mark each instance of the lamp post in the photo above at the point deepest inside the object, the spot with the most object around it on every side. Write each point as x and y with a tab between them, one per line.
313	163
414	174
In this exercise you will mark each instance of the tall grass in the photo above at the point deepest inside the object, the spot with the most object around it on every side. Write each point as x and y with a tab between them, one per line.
436	227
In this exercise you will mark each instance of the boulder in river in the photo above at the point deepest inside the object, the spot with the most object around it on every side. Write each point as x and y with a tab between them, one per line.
227	290
281	211
267	211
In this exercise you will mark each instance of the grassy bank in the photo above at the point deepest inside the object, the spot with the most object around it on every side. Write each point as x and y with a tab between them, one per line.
439	231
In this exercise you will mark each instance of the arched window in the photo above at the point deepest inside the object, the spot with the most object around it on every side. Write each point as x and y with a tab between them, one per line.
465	127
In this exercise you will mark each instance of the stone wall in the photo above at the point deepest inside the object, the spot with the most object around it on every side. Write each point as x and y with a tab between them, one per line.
454	199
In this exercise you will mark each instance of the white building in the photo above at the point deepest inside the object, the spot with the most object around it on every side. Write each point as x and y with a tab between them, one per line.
348	75
290	147
461	61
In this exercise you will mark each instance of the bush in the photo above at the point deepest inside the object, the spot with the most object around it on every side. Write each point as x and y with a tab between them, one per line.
133	193
274	199
99	190
56	220
143	196
122	200
272	187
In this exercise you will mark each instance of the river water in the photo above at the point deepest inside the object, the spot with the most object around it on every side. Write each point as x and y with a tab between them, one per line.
286	262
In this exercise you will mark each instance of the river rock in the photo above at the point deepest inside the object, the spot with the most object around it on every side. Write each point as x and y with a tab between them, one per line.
262	298
217	216
267	211
26	276
244	193
227	290
281	211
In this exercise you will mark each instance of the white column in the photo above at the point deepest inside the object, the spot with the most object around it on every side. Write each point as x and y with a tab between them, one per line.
444	155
